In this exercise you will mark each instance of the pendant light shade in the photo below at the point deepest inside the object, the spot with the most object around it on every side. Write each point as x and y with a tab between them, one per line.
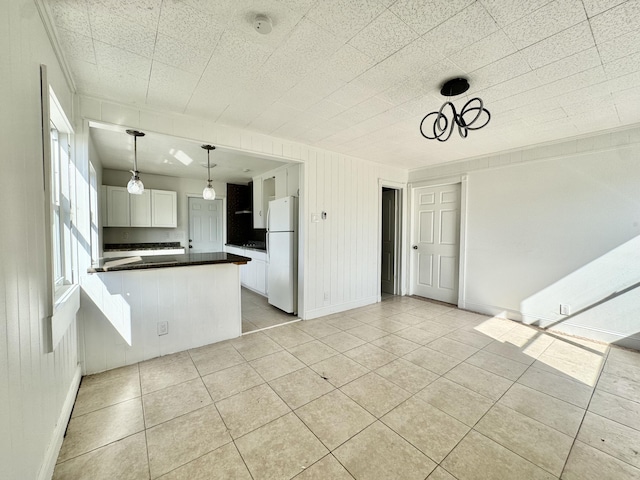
209	193
135	185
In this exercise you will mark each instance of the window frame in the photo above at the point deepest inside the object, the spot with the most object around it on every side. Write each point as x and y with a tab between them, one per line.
62	298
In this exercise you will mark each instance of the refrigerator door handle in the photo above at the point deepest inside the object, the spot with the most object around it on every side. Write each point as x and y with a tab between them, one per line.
268	226
268	252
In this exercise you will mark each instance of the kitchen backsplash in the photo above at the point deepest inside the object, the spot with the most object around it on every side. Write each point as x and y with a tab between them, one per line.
240	226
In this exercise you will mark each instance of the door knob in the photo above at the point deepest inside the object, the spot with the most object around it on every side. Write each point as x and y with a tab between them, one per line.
415	247
190	246
190	240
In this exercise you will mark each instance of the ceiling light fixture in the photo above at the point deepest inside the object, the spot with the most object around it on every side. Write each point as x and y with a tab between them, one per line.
469	117
209	193
135	186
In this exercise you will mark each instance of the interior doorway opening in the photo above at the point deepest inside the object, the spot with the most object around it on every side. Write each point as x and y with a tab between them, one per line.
390	242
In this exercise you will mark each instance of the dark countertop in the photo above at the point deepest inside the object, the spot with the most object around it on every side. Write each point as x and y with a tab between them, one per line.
258	248
163	261
114	247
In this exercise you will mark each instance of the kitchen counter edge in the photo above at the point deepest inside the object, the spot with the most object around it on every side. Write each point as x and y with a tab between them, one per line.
169	261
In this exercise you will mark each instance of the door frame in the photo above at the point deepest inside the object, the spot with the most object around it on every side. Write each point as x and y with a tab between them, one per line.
400	254
463	180
224	217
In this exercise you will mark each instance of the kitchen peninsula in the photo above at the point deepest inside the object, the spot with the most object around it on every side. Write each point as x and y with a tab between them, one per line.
146	307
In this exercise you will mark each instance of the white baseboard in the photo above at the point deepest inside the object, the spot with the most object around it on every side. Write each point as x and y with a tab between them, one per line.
565	327
331	309
49	464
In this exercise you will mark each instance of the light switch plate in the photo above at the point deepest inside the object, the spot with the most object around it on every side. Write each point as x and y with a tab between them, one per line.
163	328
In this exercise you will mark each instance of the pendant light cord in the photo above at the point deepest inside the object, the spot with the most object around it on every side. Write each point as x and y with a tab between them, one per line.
135	154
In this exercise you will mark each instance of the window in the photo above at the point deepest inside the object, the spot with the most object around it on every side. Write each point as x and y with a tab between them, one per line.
61	237
62	196
61	170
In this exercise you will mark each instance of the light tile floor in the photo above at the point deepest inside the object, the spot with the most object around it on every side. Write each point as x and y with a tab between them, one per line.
257	313
404	389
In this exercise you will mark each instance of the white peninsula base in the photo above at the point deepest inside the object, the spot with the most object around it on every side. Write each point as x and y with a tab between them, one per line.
123	313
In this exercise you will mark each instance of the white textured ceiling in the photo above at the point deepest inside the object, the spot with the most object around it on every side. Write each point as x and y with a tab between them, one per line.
165	155
357	76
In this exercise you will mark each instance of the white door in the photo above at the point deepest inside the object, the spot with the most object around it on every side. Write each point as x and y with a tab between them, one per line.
205	225
436	239
387	283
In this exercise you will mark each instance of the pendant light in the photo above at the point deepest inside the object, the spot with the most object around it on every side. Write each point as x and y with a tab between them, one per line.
473	115
209	193
135	186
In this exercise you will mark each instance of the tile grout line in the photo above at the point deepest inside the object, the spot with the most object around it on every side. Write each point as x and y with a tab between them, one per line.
586	409
585	414
490	408
376	418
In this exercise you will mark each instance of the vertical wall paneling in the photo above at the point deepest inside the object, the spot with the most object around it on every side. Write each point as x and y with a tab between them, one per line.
336	214
35	387
311	281
329	181
341	209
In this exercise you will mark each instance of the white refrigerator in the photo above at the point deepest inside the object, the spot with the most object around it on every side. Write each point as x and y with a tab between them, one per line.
282	251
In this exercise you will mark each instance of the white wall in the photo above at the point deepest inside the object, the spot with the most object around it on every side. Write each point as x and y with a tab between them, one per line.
183	186
556	224
33	385
342	251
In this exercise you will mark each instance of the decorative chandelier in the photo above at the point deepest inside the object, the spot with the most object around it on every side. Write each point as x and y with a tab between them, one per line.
470	117
135	186
209	193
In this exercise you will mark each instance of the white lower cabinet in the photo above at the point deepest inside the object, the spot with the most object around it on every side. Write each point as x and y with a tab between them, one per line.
253	275
261	276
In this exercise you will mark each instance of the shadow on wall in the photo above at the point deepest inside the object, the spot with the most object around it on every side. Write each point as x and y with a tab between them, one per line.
602	298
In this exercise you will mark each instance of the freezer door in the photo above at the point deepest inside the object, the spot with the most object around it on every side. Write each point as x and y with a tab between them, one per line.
281	215
282	271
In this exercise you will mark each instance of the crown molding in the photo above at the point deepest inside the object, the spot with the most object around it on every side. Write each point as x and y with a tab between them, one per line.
49	26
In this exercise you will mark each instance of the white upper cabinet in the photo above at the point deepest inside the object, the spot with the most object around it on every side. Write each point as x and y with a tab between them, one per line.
140	209
280	183
164	208
154	208
118	207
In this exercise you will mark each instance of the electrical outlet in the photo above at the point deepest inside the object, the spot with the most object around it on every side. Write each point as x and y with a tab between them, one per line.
125	235
163	328
565	309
